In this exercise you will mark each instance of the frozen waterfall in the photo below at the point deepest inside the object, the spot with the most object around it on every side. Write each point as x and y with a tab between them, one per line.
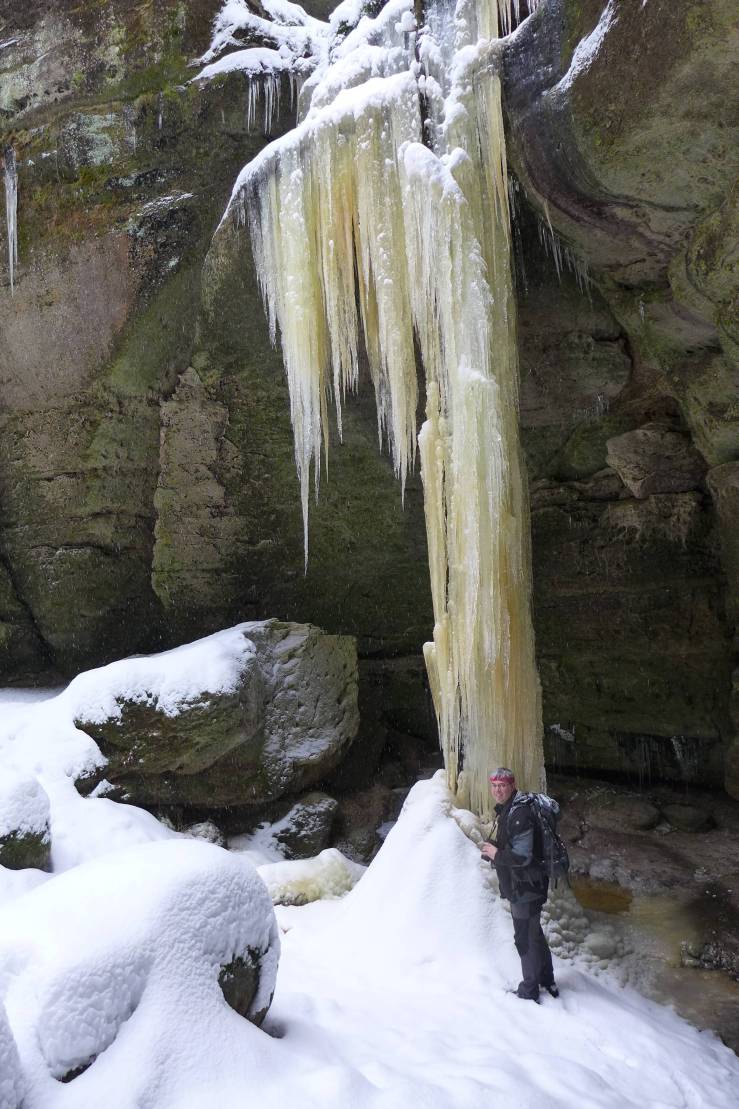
381	223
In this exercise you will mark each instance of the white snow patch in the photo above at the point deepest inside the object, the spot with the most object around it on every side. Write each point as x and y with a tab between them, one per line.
24	806
12	1086
119	959
14	883
588	48
169	681
254	61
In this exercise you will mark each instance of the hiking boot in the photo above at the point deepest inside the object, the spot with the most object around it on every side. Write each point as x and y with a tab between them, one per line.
525	996
552	989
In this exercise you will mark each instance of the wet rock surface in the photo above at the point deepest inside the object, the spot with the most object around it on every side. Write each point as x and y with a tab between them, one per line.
681	846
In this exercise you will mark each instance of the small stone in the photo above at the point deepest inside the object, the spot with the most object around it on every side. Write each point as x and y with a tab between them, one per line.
688	818
601	945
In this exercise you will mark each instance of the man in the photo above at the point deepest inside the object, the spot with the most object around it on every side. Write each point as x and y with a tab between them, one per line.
516	853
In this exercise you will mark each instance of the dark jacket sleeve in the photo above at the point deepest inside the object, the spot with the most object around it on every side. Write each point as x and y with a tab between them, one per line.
519	851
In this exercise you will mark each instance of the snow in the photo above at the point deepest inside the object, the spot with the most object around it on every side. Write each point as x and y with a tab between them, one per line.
40	744
253	60
24	806
169	681
405	979
588	48
390	996
119	958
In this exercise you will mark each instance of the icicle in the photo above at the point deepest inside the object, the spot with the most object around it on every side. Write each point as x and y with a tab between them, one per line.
11	211
563	256
357	225
265	87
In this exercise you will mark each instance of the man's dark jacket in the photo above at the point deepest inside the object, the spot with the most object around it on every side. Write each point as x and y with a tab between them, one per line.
520	876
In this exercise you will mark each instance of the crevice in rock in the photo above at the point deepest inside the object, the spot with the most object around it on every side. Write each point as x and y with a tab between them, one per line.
47	654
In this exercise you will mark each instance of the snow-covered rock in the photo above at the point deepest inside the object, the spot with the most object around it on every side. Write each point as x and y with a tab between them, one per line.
129	958
304	831
300	881
24	823
238	718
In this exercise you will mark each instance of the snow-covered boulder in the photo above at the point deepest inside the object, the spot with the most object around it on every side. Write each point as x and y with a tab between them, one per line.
130	958
25	840
238	718
305	829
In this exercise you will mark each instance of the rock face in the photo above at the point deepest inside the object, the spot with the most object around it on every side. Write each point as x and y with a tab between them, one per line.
619	134
282	725
147	485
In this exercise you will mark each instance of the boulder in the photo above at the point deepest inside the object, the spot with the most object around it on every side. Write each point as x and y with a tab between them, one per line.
25	838
617	813
149	935
687	818
654	459
240	718
305	830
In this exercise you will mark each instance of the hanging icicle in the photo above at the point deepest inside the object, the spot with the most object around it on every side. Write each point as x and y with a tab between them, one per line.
11	211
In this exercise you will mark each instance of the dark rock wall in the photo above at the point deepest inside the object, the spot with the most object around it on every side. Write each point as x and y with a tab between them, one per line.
147	485
627	151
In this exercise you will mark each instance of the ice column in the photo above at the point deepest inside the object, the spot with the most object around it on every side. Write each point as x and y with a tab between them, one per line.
11	211
359	228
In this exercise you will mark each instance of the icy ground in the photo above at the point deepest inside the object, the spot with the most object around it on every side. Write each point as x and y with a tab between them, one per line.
390	997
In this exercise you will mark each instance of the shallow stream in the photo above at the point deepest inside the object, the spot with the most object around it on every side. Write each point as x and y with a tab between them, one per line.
656	929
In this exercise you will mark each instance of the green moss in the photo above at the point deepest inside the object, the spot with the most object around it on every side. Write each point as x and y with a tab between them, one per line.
28	851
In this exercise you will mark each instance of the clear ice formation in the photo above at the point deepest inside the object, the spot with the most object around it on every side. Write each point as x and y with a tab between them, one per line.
381	224
11	211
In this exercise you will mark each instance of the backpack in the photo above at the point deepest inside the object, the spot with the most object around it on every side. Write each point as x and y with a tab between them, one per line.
554	857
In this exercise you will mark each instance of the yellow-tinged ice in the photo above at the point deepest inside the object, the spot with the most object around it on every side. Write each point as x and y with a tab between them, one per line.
358	227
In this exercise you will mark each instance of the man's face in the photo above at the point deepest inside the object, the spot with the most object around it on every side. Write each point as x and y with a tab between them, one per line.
502	790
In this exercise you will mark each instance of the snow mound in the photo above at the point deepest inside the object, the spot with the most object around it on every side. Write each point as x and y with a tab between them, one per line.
424	945
24	806
119	960
300	881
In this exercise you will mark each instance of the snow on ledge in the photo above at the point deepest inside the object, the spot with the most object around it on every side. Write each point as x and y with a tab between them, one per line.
169	681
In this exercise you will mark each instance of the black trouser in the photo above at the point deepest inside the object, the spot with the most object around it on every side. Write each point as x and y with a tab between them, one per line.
532	946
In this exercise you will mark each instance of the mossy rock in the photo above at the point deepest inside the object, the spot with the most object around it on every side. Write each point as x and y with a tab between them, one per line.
284	727
24	850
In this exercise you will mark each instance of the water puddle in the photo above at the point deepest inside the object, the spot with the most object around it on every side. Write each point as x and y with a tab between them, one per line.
657	930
